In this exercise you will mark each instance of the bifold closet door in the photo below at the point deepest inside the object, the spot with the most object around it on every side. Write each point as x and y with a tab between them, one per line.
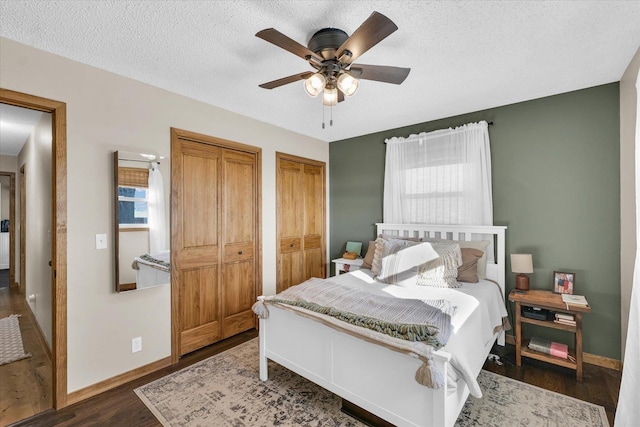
239	242
215	239
290	209
196	189
301	220
314	221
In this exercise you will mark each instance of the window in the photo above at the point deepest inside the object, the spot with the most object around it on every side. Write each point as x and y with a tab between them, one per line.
132	207
133	197
441	177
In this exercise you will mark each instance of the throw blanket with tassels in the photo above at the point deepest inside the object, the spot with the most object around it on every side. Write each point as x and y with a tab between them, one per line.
413	320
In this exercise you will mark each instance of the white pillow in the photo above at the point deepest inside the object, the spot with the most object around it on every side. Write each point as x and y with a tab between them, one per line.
442	271
481	245
401	261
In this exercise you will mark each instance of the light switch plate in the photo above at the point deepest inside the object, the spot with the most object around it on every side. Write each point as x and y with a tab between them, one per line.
101	241
136	344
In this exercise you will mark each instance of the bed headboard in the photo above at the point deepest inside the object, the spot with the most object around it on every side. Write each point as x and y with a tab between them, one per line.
495	269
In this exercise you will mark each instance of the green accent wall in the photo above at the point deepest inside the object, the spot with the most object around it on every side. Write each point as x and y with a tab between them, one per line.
556	186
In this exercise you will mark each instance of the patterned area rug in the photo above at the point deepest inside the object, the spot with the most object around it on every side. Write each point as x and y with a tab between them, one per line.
506	402
11	348
225	390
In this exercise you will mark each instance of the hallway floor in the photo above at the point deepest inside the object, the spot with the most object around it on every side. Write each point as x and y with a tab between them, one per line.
25	385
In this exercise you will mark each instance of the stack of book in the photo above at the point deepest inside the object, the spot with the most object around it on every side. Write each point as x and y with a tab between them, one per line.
549	347
565	319
578	300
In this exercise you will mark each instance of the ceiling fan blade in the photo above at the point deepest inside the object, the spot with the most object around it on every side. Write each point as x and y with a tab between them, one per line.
380	73
340	96
277	38
286	80
376	28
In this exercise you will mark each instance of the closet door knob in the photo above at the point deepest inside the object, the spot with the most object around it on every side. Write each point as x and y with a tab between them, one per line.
291	245
240	253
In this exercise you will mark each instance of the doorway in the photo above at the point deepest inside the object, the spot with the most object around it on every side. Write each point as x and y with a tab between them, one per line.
7	232
58	234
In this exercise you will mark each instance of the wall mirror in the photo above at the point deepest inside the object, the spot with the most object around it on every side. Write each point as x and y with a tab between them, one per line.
142	256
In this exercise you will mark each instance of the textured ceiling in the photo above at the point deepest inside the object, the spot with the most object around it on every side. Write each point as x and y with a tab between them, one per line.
464	55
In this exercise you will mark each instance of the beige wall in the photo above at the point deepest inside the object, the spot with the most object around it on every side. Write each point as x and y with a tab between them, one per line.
36	158
5	193
105	113
10	164
628	103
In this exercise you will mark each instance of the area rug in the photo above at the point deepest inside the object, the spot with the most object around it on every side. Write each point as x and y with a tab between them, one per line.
225	390
11	348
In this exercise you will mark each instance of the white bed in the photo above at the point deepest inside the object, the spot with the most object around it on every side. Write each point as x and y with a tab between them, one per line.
381	380
150	274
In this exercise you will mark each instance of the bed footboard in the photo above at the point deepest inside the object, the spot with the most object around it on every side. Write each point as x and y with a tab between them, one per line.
373	377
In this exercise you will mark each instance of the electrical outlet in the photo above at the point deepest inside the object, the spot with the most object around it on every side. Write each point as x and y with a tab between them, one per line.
136	344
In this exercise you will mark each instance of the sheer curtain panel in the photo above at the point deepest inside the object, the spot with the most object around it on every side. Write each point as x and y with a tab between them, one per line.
440	177
628	411
156	216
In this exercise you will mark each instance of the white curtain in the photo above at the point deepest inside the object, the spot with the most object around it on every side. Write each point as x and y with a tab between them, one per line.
628	411
156	216
440	177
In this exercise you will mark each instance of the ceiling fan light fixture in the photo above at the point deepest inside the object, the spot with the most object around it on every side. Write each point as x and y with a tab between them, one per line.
314	84
348	84
330	96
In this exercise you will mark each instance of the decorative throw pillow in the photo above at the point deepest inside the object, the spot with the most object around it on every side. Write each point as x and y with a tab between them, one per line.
474	244
401	261
377	255
442	271
468	271
368	258
376	262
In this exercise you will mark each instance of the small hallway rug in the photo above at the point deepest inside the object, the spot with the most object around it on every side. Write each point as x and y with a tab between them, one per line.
11	347
225	390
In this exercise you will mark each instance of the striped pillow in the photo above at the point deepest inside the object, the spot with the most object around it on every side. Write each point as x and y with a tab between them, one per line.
442	271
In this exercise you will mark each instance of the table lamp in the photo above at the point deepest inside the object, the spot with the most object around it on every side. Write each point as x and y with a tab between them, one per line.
522	264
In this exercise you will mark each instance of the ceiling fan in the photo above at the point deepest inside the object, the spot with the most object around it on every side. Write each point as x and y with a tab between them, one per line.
331	53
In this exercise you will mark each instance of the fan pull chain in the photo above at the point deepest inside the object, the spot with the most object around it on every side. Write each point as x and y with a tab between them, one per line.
330	115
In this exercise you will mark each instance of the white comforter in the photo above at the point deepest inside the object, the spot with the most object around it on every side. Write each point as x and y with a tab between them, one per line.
479	311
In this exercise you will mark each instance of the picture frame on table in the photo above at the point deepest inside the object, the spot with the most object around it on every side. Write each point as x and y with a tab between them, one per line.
564	282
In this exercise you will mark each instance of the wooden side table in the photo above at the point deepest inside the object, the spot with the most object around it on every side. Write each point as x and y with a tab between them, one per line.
553	302
344	265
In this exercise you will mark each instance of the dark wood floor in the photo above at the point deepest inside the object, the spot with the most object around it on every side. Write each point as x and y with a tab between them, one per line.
25	385
121	406
600	386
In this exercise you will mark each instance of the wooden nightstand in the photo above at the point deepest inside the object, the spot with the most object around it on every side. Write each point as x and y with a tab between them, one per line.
552	302
344	265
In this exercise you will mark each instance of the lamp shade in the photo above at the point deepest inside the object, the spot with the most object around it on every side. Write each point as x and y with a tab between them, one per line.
348	84
330	96
521	263
314	84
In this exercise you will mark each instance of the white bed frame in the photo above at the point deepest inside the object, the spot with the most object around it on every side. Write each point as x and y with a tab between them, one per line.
373	377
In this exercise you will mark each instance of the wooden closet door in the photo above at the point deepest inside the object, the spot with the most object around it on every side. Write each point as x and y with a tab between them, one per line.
239	242
301	220
195	197
290	208
314	224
